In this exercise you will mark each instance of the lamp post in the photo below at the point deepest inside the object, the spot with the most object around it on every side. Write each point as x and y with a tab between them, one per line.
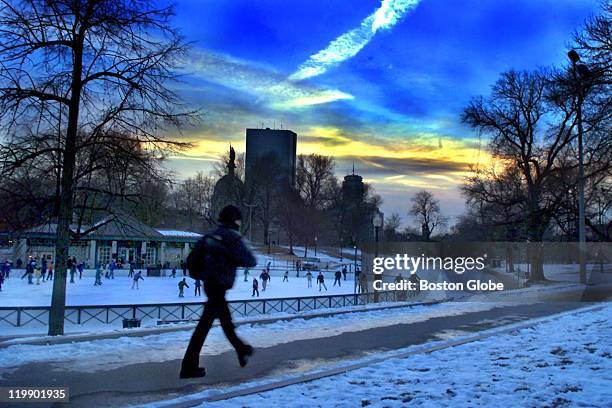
315	245
377	221
250	207
582	70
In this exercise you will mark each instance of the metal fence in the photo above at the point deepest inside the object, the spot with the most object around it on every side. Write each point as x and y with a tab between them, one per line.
38	316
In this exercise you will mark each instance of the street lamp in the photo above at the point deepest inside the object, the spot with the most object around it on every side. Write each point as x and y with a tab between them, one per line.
315	248
579	71
378	223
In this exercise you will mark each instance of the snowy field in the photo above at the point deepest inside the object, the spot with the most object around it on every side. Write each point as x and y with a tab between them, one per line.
565	362
17	292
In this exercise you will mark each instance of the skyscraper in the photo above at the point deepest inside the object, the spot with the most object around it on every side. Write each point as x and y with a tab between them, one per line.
266	142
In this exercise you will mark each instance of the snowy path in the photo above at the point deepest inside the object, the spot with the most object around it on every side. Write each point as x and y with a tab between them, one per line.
566	361
128	371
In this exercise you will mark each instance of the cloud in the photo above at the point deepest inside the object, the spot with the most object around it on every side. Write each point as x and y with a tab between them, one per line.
350	43
263	83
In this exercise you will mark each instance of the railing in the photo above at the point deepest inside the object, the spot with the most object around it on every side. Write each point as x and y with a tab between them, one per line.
38	316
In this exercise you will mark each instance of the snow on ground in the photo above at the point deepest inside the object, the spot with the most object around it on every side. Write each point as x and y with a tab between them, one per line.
17	292
107	354
565	362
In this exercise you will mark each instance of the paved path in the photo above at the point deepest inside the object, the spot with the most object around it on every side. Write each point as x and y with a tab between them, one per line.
139	383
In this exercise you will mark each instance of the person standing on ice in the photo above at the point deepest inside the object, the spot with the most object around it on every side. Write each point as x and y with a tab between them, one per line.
50	271
111	269
286	276
182	285
264	280
98	281
131	272
309	279
344	272
337	277
321	281
6	268
69	266
246	274
174	272
215	259
80	268
137	277
198	287
1	277
255	287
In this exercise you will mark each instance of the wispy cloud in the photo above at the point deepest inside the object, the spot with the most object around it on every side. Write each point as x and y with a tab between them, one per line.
350	43
266	85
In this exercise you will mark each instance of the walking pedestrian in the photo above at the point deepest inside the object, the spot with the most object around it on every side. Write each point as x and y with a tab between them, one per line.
286	276
182	285
225	251
309	279
255	287
198	287
321	281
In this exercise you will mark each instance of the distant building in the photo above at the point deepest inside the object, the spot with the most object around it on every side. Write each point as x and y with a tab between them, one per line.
261	143
353	189
118	236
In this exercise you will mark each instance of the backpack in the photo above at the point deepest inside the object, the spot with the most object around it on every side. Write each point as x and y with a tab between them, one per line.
200	256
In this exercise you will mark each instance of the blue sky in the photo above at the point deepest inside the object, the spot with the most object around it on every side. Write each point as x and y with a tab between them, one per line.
380	84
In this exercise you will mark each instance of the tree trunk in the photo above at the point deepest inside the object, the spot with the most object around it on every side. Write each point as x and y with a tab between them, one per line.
62	243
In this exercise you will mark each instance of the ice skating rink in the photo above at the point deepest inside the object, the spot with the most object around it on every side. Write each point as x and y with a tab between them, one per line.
17	292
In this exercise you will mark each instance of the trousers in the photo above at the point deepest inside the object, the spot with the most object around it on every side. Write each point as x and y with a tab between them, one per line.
215	308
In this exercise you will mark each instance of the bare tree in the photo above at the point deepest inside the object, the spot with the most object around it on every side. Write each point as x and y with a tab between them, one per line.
314	176
391	227
426	211
91	68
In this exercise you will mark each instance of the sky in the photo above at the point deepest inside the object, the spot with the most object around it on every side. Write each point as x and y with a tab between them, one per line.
377	84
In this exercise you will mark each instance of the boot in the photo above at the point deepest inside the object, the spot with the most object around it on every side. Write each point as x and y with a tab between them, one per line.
244	354
197	372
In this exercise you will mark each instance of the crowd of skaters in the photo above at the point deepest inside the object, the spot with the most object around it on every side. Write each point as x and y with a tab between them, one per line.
41	269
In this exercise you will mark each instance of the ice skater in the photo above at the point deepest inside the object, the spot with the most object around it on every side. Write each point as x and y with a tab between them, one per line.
264	280
136	278
131	272
1	278
215	258
111	269
286	276
182	285
98	281
80	268
337	276
309	279
198	287
255	287
321	281
174	272
50	271
246	274
344	272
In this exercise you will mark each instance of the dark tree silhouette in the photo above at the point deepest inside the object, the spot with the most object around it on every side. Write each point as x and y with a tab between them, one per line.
77	75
